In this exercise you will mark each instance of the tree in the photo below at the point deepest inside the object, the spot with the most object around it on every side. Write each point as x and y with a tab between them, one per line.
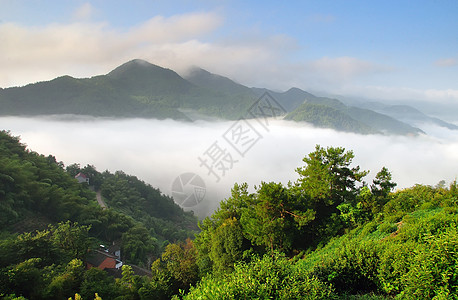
382	186
328	177
98	281
180	261
66	283
137	244
73	169
325	182
226	246
25	279
71	238
95	178
222	240
274	217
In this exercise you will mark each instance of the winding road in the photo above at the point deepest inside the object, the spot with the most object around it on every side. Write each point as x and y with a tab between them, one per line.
102	203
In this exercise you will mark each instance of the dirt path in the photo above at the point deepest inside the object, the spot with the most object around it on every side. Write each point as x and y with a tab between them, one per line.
100	201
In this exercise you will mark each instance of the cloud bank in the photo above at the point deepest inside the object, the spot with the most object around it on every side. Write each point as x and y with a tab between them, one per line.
84	47
159	151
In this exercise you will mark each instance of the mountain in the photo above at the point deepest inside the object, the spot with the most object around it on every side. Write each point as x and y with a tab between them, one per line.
407	113
217	83
324	116
381	122
141	89
134	89
126	92
331	113
413	116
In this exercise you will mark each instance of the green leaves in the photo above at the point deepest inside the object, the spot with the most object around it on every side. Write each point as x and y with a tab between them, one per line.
269	277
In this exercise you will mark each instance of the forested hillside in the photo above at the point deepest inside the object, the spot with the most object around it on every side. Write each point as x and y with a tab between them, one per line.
328	235
134	89
49	221
139	89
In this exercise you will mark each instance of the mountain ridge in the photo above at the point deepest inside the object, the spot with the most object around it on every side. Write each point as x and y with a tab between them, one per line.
138	88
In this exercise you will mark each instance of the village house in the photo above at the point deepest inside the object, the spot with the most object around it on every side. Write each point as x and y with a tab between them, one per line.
109	260
82	178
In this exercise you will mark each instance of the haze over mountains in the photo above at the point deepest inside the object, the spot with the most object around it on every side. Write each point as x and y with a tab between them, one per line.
141	89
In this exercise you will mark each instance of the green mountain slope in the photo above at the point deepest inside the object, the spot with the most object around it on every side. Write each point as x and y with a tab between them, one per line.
381	122
36	190
327	117
325	237
412	115
135	89
220	84
140	89
331	113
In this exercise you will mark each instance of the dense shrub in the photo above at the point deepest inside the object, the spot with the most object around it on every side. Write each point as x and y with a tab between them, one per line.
270	277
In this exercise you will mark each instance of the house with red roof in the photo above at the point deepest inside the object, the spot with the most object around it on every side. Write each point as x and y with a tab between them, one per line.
81	178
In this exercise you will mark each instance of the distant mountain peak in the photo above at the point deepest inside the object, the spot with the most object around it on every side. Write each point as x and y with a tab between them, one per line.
210	81
136	65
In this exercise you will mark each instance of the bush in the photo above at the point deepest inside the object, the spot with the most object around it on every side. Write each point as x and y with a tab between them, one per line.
352	268
270	277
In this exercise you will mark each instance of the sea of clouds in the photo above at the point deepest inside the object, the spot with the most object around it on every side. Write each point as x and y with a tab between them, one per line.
158	151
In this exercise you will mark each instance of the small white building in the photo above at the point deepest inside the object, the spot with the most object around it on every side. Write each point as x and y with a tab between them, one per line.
81	178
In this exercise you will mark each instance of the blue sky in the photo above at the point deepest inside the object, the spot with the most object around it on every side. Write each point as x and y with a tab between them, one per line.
377	49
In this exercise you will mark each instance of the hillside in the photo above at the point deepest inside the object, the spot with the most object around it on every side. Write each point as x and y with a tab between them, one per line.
141	89
413	116
325	236
134	89
324	116
37	190
331	113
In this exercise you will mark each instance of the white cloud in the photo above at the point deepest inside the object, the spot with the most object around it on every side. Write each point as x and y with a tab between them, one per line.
446	62
159	151
83	49
83	12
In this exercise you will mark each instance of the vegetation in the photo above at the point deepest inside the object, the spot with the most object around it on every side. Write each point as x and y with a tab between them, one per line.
140	89
324	116
329	235
331	113
49	221
134	89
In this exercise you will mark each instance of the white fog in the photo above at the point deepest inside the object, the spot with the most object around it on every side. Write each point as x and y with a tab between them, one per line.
159	151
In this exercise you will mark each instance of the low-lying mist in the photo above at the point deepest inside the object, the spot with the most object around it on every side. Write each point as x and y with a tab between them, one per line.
159	151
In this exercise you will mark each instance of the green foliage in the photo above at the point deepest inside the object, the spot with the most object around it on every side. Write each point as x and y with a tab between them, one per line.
48	263
98	281
71	238
158	212
270	277
326	182
135	89
136	244
130	284
351	267
176	270
33	182
287	219
324	116
413	259
343	239
65	284
44	265
226	246
24	278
